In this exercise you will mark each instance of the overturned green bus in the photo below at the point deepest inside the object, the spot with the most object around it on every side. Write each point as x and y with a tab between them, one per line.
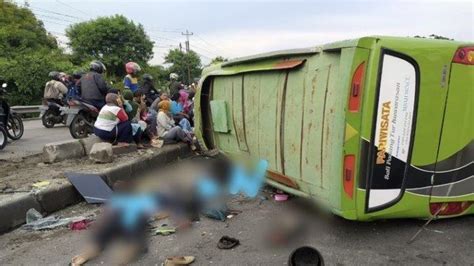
372	128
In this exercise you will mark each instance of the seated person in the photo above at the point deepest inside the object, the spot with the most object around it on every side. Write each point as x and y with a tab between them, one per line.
178	112
166	128
112	124
133	107
154	104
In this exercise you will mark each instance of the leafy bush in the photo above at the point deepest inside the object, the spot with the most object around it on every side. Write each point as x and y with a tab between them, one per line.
27	74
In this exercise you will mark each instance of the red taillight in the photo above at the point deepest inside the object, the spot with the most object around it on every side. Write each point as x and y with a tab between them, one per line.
356	88
348	175
464	55
449	208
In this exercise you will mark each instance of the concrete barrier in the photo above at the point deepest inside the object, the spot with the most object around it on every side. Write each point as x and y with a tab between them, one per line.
63	150
88	142
102	153
13	210
57	196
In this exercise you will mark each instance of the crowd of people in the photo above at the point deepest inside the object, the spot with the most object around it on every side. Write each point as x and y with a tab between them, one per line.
139	113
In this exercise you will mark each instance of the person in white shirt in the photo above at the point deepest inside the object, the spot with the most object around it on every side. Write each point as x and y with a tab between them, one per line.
112	123
166	128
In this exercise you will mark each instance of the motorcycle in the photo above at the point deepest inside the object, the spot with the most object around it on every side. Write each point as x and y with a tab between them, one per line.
11	124
53	113
81	117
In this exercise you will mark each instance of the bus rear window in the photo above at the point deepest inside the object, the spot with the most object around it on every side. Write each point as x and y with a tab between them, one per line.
393	129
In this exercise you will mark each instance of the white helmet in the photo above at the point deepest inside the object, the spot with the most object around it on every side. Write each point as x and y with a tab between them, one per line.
174	76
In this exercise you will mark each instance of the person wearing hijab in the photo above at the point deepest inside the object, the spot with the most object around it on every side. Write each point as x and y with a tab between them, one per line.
166	128
112	124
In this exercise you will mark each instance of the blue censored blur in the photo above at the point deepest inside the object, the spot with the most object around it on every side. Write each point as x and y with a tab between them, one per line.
240	181
210	190
248	184
133	206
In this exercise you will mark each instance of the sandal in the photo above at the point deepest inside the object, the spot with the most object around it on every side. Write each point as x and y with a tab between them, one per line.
184	260
227	242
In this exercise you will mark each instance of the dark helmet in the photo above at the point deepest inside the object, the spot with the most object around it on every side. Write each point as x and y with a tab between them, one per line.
77	74
97	66
54	75
147	77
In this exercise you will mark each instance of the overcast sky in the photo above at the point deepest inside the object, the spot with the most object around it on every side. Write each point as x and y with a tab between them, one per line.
239	28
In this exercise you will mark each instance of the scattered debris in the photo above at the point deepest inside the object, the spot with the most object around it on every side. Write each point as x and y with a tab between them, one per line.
227	242
164	230
157	143
280	197
90	186
434	230
172	261
80	225
215	214
41	184
35	221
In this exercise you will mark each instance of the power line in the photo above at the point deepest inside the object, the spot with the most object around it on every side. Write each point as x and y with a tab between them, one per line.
55	13
55	18
72	7
52	22
205	50
209	44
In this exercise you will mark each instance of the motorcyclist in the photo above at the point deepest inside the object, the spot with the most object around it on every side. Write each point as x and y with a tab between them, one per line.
175	86
131	79
149	89
54	90
92	86
72	89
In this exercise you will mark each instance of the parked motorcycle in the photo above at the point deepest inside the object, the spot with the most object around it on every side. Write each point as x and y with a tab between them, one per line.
52	113
11	124
81	117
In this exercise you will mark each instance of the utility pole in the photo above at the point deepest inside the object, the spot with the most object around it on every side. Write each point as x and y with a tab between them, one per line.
187	34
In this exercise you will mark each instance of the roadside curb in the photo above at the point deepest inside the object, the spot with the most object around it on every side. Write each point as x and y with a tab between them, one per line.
59	196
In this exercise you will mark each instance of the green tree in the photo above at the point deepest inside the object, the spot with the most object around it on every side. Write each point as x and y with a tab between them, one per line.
218	60
27	54
28	72
160	76
186	65
21	32
114	40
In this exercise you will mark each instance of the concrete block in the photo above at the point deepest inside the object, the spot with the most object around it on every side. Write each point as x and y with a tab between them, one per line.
116	173
118	149
13	210
102	153
58	196
88	142
63	150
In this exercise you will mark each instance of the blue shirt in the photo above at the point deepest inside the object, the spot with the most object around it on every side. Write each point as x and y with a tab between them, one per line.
130	83
176	108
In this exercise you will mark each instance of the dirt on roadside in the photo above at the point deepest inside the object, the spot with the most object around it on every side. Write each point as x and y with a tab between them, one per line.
20	175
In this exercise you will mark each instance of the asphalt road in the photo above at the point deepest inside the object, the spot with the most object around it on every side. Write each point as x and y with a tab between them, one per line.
33	140
341	242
